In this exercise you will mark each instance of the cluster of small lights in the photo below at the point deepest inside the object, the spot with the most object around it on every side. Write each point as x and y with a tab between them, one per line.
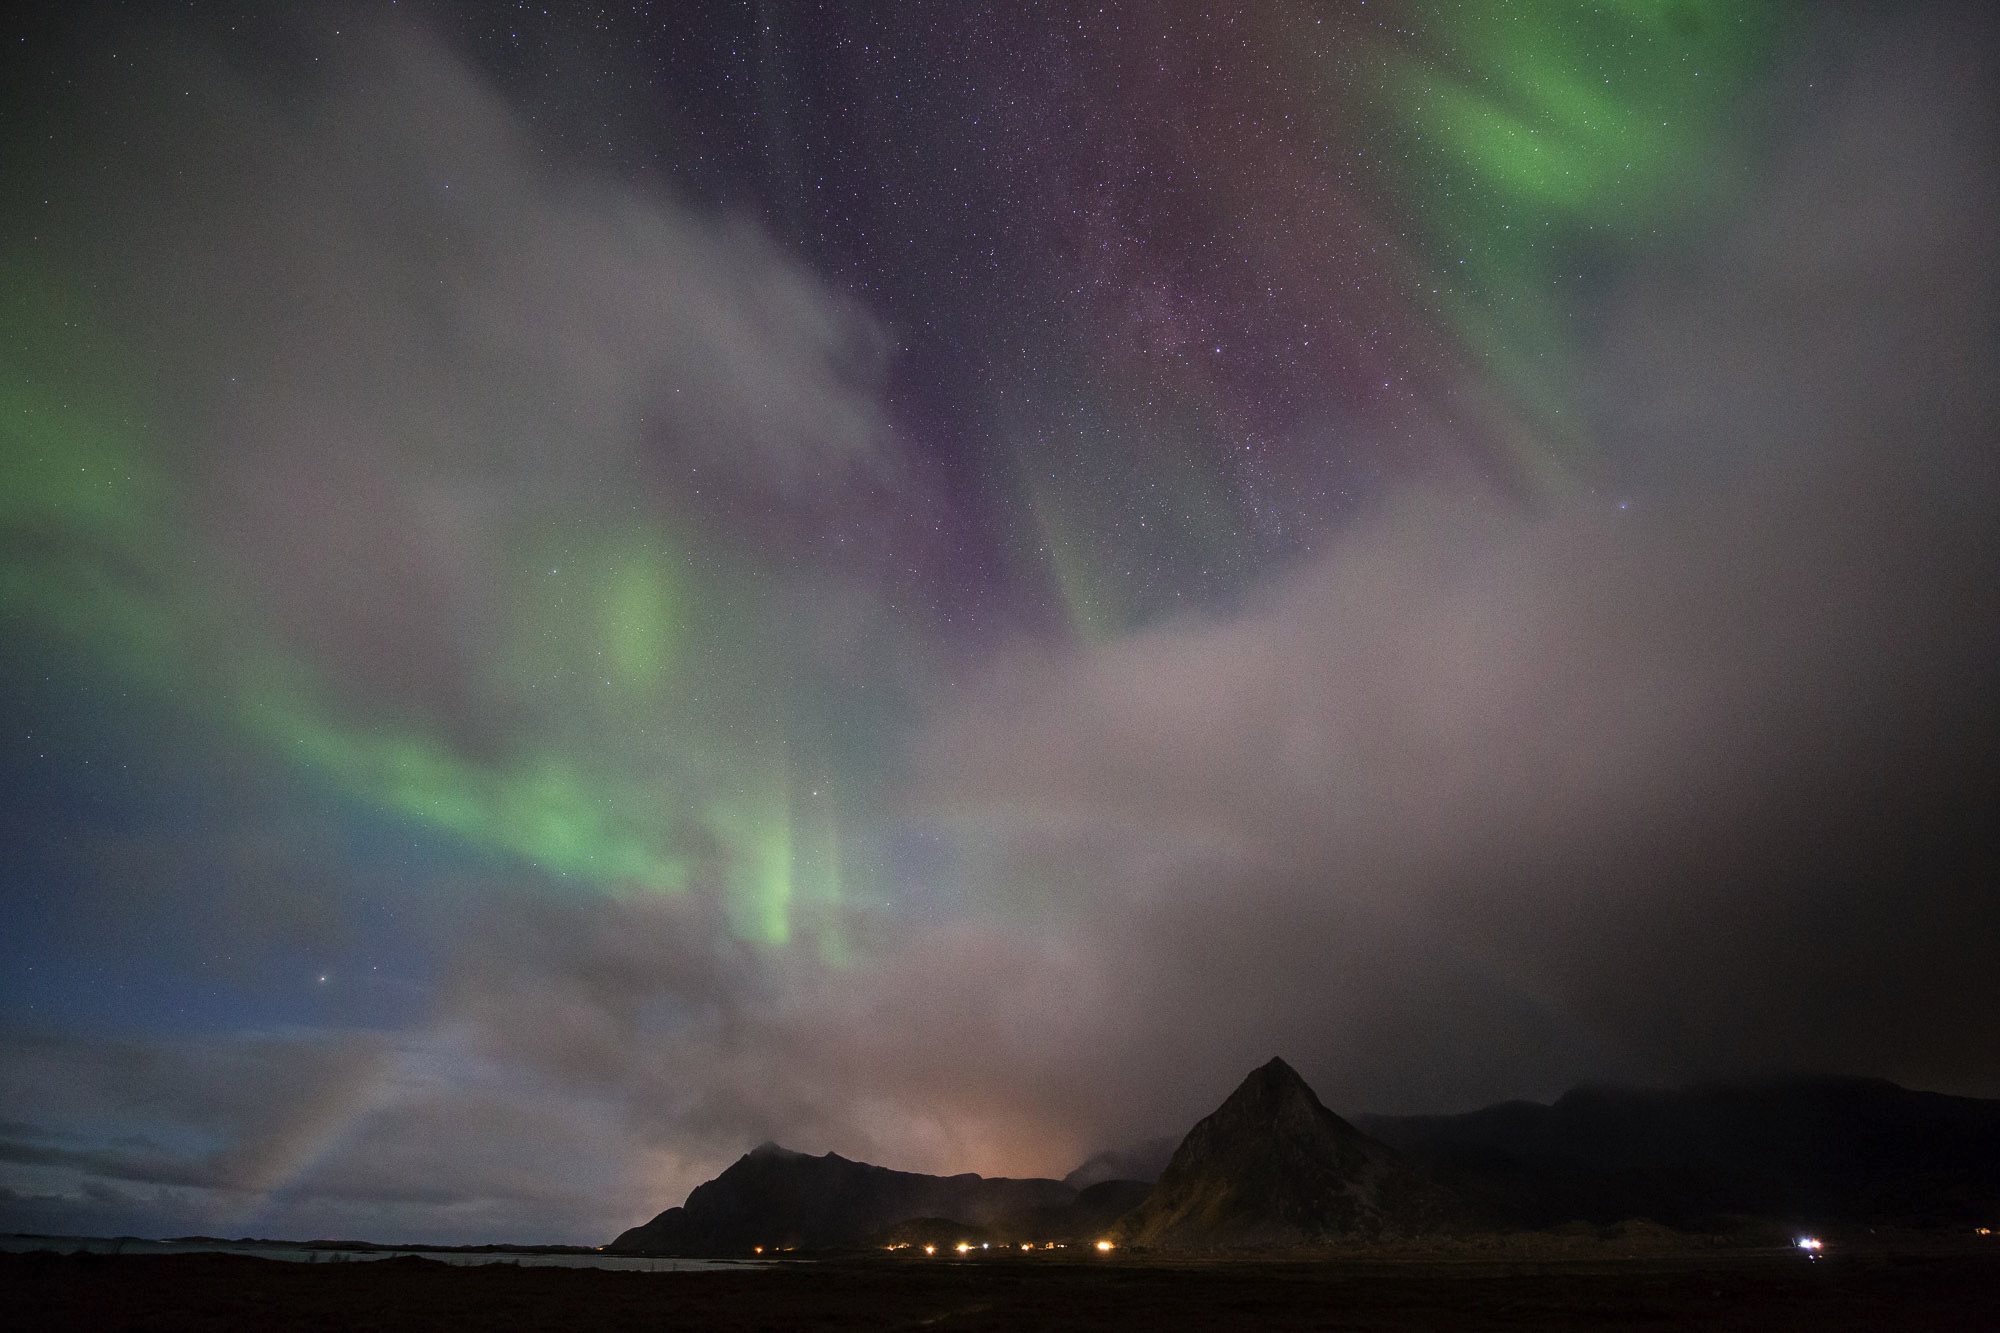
966	1246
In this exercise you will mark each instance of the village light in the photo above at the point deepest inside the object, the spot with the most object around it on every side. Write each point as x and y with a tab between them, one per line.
1103	1246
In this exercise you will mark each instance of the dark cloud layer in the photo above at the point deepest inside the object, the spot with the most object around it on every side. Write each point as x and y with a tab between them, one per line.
1696	784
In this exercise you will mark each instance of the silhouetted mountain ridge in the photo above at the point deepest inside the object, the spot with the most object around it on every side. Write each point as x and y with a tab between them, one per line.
776	1198
1139	1161
1273	1167
1813	1150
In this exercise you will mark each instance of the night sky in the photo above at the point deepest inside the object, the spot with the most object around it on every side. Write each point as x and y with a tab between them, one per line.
585	587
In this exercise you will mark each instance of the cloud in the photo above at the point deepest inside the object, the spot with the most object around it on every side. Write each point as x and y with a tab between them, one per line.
1488	798
414	1136
1493	795
242	1108
396	361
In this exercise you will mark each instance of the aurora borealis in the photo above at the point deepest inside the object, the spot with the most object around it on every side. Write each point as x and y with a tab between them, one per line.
605	585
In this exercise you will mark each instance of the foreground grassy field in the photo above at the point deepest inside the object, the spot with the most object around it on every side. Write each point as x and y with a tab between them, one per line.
1937	1289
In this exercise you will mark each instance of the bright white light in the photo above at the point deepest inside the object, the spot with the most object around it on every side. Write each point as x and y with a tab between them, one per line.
1811	1243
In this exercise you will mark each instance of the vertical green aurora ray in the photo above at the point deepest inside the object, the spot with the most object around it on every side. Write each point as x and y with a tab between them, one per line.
637	603
757	826
629	685
1539	132
1522	145
626	726
785	876
1089	602
1117	567
817	867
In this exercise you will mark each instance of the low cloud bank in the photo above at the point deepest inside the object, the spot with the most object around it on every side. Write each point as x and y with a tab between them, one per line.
1686	775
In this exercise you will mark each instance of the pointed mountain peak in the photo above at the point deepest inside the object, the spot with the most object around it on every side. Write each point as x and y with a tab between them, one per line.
1271	1085
1272	1166
1277	1073
1272	1096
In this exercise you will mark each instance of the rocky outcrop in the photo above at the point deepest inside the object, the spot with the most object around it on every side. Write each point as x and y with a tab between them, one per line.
1273	1168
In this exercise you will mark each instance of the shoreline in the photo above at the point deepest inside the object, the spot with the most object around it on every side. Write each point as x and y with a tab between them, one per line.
1762	1290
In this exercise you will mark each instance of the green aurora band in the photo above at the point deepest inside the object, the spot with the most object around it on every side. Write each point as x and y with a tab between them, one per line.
1527	146
660	751
1544	133
100	554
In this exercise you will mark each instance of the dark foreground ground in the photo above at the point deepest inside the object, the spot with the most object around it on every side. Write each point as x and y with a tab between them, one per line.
1933	1290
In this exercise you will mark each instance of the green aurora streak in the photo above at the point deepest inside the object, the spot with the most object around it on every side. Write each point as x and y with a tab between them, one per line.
654	786
1530	144
651	762
1542	135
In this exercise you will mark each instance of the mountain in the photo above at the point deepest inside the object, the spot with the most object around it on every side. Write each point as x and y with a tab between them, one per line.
1087	1217
1272	1167
781	1199
1811	1151
1139	1161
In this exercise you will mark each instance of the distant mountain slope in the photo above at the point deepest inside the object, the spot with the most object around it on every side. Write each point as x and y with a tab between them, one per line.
776	1198
1273	1167
1140	1161
1810	1150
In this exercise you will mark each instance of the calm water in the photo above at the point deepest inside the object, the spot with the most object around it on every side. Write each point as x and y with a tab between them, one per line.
527	1259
